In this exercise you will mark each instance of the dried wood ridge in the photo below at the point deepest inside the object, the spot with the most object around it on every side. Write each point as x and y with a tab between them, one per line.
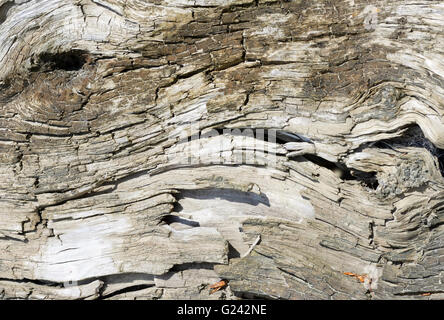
98	98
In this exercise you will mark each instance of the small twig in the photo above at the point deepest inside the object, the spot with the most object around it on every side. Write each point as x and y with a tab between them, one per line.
258	239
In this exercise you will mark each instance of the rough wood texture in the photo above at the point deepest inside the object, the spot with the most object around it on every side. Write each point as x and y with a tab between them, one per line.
336	192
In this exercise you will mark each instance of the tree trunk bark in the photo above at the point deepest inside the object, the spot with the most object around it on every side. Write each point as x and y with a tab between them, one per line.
149	149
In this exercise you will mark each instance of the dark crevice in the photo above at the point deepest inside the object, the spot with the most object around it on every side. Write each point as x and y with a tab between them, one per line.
177	206
284	137
33	281
322	162
193	266
413	137
227	194
9	238
111	278
36	182
293	275
419	293
4	10
232	252
107	7
126	277
169	219
251	296
127	290
368	179
263	134
69	61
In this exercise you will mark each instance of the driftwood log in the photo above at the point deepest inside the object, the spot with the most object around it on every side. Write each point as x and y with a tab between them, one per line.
150	148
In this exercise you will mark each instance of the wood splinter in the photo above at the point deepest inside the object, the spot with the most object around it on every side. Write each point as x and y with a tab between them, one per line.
218	285
360	277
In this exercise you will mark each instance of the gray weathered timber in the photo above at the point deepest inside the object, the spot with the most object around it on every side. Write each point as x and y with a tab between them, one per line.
318	172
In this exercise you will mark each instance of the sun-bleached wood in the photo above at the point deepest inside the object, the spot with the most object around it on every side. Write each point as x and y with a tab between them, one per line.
317	173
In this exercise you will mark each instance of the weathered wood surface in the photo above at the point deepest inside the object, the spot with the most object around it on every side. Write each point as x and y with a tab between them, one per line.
104	195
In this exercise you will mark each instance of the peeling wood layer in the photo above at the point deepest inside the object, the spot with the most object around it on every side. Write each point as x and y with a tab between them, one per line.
149	149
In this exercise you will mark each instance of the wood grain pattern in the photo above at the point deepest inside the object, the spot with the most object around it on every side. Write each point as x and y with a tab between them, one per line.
319	157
